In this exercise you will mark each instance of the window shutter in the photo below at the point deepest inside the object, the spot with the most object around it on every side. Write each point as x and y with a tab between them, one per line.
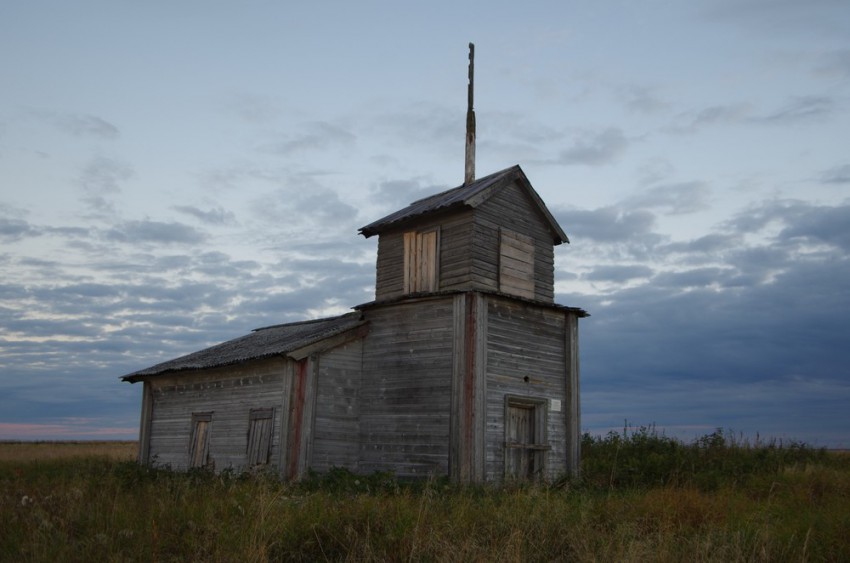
516	264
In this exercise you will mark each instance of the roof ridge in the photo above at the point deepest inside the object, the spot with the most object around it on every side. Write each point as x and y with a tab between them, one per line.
486	178
447	199
309	321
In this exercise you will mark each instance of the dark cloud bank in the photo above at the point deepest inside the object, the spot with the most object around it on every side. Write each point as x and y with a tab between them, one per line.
745	328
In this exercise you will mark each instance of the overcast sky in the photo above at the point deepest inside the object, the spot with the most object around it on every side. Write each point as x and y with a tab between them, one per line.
175	174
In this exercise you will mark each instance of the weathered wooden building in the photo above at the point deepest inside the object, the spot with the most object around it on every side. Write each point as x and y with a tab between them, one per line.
463	365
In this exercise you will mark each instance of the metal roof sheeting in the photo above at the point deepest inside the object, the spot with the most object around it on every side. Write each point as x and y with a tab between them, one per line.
261	343
471	195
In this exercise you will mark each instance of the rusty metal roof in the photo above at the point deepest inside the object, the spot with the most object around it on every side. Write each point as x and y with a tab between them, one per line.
468	195
261	343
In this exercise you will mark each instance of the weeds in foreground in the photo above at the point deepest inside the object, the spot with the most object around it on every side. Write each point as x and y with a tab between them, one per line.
646	458
729	504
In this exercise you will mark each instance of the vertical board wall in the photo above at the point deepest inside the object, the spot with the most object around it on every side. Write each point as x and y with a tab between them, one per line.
525	341
405	398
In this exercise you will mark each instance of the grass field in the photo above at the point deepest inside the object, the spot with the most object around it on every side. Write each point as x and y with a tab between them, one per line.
38	451
642	497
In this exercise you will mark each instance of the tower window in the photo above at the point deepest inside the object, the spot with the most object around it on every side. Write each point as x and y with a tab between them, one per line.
516	264
420	260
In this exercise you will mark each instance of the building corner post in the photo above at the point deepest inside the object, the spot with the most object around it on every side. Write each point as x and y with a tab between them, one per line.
573	418
145	424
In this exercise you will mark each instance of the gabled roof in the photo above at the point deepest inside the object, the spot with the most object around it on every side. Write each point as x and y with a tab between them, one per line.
261	343
468	195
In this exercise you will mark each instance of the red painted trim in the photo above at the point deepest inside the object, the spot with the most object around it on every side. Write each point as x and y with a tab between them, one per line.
469	385
297	418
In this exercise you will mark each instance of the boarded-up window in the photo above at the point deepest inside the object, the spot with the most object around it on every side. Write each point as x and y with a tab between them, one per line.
526	444
199	446
420	260
260	429
516	264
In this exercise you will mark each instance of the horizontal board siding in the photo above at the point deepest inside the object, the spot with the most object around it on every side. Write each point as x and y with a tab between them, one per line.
336	429
512	209
389	279
230	394
469	253
454	252
406	393
525	341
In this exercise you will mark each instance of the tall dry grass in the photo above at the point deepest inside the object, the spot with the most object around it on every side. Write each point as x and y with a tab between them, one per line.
94	508
32	451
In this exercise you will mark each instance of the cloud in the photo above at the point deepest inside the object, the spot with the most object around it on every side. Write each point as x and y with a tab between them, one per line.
707	244
253	108
830	225
618	273
305	202
154	231
80	125
801	108
797	222
396	194
595	149
16	229
606	224
317	136
100	178
214	216
77	124
837	175
835	63
643	100
678	198
691	122
746	319
818	18
421	123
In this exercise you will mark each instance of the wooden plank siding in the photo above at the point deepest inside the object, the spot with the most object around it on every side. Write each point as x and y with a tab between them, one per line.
516	264
405	396
453	254
526	357
336	428
229	393
469	252
511	208
468	414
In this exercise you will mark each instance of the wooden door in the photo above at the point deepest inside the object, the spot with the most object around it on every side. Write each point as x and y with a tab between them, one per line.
519	442
200	442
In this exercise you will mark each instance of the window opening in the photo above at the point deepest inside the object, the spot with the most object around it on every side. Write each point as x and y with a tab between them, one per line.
260	430
516	264
200	444
420	261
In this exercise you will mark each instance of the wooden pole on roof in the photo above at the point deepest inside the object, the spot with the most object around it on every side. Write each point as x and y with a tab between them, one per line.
469	175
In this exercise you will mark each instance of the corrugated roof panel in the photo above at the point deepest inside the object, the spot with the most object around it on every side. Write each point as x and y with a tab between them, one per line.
261	343
443	200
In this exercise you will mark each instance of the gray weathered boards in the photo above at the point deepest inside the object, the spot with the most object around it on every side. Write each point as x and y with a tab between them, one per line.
463	365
